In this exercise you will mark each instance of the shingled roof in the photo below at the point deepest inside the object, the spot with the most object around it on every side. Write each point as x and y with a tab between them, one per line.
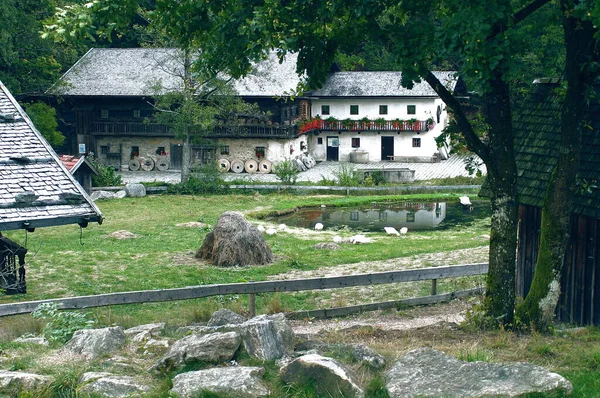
134	72
382	84
36	189
537	132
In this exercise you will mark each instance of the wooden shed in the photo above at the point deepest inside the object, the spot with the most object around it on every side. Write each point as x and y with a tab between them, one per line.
537	130
82	169
36	190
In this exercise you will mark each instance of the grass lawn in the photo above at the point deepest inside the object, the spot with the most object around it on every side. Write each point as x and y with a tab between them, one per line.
61	263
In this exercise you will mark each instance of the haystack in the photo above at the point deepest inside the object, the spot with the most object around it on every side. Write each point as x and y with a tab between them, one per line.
234	242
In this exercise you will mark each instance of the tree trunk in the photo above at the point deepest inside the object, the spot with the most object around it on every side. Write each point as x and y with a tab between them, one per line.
540	304
502	177
186	162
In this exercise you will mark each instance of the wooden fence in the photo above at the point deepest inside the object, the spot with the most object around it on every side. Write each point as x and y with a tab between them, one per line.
251	288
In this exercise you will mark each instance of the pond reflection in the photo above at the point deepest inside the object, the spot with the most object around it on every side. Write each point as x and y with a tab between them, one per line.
376	216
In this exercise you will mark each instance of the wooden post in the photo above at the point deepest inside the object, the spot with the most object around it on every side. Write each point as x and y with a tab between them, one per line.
252	304
433	287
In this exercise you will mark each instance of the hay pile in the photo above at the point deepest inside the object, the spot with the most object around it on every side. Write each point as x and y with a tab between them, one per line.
234	242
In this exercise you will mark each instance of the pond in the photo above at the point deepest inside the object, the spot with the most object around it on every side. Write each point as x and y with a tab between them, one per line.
374	217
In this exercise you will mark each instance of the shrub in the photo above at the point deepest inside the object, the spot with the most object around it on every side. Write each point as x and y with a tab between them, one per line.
60	325
286	172
204	179
106	175
347	176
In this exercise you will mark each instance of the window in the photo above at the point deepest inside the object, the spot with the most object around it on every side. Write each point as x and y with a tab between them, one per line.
224	149
137	114
416	143
161	151
383	109
104	149
325	110
410	216
135	152
411	109
355	142
260	151
320	141
354	109
103	113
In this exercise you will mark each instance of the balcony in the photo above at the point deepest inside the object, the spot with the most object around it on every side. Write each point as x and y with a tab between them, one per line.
363	125
159	130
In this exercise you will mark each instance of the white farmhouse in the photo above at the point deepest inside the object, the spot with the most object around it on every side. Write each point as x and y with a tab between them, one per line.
369	116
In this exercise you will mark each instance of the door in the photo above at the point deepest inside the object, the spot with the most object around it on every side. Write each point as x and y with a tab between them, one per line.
387	148
176	156
333	148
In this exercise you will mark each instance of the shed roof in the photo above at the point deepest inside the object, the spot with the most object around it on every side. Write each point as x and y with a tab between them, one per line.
537	137
134	71
36	190
382	84
73	163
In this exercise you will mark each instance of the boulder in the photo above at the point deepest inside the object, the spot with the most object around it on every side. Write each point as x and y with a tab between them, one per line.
359	353
327	246
429	373
213	348
235	242
267	337
135	190
92	343
99	195
32	340
146	332
120	194
109	385
328	377
225	316
238	381
12	383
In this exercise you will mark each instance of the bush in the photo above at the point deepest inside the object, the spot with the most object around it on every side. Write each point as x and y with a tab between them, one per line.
286	172
204	179
60	325
106	175
347	176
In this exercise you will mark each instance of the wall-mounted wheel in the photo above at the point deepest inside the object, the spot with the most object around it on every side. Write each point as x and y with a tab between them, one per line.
147	164
223	165
251	166
265	166
134	164
237	166
163	164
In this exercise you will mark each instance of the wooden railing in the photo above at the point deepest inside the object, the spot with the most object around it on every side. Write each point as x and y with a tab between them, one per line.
251	288
358	125
153	129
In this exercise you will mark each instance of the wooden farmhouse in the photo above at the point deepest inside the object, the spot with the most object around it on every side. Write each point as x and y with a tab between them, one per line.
537	129
357	116
36	190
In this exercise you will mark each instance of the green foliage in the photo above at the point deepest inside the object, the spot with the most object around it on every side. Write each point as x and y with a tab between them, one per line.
43	117
347	175
376	388
206	179
476	355
375	177
107	177
286	172
60	325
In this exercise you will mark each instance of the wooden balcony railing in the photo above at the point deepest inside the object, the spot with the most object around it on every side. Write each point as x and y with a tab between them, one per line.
151	129
359	125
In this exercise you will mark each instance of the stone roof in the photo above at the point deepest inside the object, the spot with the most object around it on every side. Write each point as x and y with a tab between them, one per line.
537	136
134	71
382	84
36	190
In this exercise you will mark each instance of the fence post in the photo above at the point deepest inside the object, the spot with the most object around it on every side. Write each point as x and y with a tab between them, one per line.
252	304
433	287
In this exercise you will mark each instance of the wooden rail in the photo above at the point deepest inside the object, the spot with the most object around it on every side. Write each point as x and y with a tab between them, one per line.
193	292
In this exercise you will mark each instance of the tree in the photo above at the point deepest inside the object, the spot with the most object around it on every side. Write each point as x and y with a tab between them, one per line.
582	40
43	117
479	37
